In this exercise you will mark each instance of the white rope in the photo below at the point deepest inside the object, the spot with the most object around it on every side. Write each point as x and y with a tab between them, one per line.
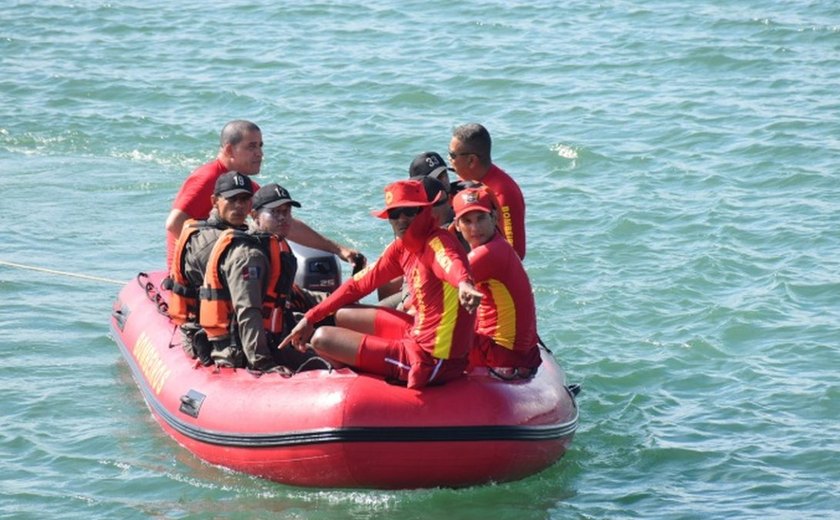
62	273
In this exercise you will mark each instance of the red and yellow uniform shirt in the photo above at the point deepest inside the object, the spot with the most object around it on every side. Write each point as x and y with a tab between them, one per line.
507	313
442	328
511	207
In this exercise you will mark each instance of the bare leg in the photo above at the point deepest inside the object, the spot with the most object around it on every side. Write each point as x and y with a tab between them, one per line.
374	321
360	319
337	344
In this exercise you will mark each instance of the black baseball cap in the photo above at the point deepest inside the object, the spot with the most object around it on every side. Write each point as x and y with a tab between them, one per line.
428	164
233	183
273	195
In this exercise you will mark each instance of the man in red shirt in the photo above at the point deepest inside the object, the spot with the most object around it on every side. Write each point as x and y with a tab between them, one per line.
429	347
506	323
469	155
240	150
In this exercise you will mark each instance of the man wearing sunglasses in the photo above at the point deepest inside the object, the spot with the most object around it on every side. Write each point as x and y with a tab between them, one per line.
469	155
427	348
394	294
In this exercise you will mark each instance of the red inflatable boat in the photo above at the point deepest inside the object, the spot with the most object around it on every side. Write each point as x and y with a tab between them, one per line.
338	428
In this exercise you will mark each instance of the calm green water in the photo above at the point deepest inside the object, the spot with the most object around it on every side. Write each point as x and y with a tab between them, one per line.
680	168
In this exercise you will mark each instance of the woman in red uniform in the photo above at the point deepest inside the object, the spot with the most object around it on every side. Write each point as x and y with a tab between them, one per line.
432	345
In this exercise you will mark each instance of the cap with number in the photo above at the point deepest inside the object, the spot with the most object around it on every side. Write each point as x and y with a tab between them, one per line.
233	183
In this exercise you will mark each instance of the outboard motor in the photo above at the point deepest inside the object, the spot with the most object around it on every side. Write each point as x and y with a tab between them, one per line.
317	270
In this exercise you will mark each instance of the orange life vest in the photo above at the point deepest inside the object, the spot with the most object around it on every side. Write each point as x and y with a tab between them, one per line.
183	302
216	313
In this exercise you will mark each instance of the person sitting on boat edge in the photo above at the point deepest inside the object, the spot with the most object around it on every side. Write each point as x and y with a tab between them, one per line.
459	186
429	348
241	150
469	155
231	203
506	321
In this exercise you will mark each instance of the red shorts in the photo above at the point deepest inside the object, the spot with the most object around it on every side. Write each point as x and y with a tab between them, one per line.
486	352
391	323
395	355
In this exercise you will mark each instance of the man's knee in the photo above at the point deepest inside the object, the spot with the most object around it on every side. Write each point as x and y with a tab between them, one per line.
319	338
328	341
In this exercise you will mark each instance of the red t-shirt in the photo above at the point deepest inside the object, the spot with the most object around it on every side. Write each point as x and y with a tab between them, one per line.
512	217
194	198
507	313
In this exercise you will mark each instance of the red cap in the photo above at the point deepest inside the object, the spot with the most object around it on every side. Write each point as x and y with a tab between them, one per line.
403	194
474	199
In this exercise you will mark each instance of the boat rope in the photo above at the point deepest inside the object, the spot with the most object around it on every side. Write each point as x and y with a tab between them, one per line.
61	273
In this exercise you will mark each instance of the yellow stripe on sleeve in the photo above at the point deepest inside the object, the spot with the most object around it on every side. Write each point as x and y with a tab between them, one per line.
505	333
446	329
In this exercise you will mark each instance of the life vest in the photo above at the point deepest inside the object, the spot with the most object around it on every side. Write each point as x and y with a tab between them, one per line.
183	302
216	313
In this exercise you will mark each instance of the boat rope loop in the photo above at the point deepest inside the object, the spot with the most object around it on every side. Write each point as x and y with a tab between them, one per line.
315	359
513	374
152	293
287	372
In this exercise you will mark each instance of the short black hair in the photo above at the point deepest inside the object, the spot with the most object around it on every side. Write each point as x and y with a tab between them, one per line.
476	139
234	131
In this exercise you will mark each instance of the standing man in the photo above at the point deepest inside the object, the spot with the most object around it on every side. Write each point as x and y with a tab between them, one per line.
240	150
469	155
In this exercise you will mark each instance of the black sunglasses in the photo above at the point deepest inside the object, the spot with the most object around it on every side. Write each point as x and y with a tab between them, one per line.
453	155
396	213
